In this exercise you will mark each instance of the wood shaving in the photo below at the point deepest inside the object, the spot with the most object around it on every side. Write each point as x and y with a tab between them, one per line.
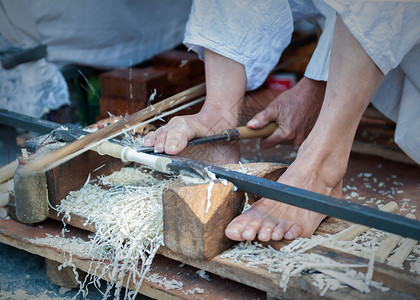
193	291
202	274
293	260
128	218
164	282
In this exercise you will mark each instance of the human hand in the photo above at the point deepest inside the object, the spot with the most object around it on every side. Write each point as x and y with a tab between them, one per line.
295	112
174	136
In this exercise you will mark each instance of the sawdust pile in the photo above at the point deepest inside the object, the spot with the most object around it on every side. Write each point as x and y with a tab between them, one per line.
128	218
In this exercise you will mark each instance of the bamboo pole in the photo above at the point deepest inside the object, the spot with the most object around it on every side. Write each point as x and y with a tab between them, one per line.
45	161
7	171
389	244
355	230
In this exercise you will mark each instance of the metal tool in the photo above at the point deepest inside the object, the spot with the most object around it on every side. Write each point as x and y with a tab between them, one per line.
13	57
234	134
160	163
327	205
330	206
58	131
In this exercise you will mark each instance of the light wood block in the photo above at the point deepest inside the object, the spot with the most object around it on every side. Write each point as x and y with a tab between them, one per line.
198	234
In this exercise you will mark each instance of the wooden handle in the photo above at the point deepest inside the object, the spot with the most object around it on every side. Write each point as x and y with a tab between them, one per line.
355	230
127	154
244	132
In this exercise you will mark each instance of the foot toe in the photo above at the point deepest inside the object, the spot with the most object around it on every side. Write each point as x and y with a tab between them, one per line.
279	230
234	231
294	231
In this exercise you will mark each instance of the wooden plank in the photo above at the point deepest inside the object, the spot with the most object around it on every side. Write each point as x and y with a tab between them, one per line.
405	285
18	235
196	230
382	151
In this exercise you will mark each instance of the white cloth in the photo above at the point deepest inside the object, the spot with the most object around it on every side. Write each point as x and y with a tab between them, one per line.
253	33
388	31
98	33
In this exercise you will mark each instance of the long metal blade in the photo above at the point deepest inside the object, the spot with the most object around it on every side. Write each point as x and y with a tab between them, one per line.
330	206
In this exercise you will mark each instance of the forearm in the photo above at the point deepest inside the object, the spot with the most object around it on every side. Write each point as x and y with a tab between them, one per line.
226	86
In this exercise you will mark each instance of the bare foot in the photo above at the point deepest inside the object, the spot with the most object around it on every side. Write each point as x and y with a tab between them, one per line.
272	220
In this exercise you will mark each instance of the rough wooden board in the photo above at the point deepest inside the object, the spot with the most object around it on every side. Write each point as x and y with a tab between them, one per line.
382	151
193	231
301	287
16	234
72	175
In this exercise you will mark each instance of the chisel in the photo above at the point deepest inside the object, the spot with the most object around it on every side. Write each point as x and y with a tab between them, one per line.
234	134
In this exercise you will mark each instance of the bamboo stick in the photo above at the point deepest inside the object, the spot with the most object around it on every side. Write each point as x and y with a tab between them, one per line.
389	244
7	171
407	245
355	230
45	161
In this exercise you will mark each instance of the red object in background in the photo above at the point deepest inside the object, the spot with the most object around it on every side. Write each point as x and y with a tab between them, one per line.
281	81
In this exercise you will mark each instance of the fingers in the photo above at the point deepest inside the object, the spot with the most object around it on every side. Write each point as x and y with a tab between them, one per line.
171	138
149	139
263	118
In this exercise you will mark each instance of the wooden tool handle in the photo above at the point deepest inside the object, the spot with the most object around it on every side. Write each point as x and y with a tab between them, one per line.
127	154
244	132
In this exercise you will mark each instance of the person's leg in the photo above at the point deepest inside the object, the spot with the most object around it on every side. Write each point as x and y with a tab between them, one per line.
322	159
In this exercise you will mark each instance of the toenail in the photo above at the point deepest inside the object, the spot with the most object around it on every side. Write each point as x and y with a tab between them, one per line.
234	228
263	236
288	235
158	148
247	235
275	236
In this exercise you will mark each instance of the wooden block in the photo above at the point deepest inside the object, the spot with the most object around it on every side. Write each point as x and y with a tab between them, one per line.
192	232
179	59
118	107
132	83
179	78
73	174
